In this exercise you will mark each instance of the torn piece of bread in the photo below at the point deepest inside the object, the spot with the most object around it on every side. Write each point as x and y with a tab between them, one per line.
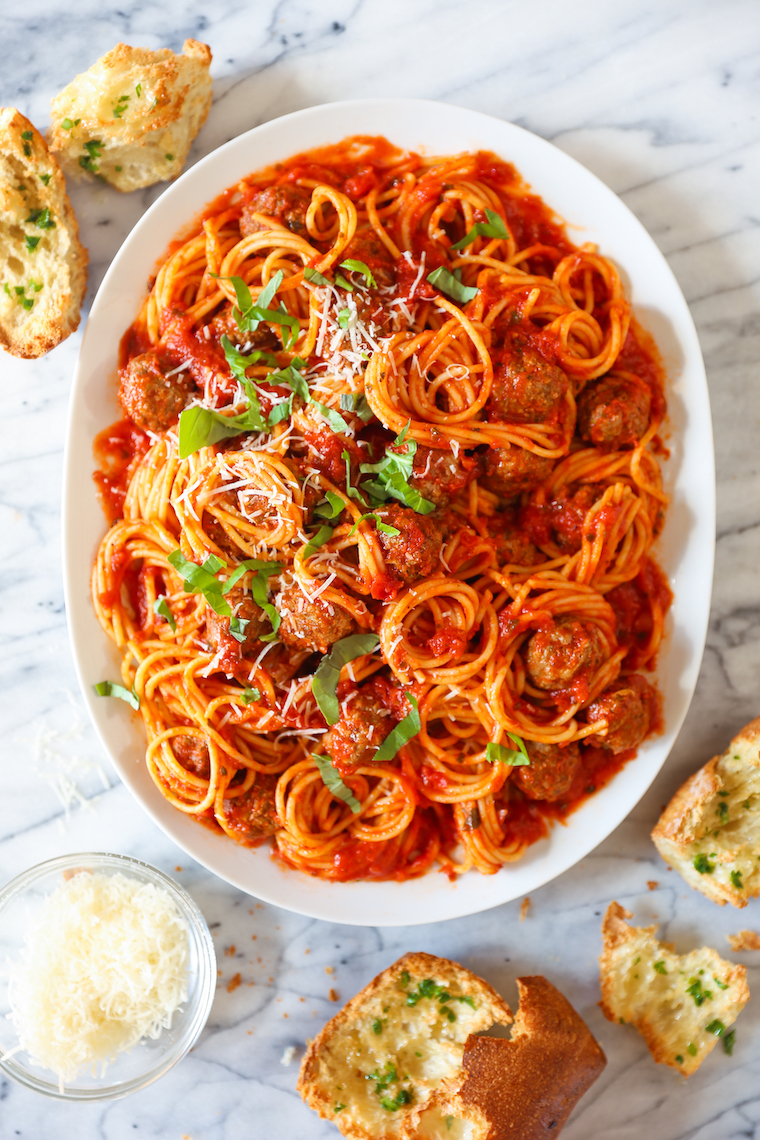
130	119
393	1045
745	940
710	830
403	1059
681	1004
42	262
518	1089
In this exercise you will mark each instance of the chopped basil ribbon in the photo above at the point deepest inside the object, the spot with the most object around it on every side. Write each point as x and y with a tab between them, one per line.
314	275
360	267
161	609
352	492
381	526
400	735
293	378
332	780
323	535
237	627
325	681
331	508
494	228
344	316
340	280
202	580
249	315
238	362
512	756
280	412
393	472
356	403
450	284
262	572
111	689
250	695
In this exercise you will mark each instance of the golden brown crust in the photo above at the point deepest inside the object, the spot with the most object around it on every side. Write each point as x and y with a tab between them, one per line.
744	940
31	182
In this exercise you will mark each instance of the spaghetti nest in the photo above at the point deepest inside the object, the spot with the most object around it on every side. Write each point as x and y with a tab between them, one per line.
382	511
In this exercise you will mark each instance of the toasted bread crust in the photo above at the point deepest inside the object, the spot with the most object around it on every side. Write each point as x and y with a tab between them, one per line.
418	965
745	940
131	117
31	182
686	819
619	940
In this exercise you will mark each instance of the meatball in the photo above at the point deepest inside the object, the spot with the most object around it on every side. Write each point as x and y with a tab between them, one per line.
513	546
149	397
613	412
413	553
438	475
218	628
363	726
192	753
627	707
366	246
554	656
551	771
512	470
253	815
287	204
312	625
527	388
224	324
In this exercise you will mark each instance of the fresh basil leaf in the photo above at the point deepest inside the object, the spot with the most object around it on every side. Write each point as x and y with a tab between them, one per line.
201	427
357	403
332	780
381	526
352	492
238	362
384	527
393	472
334	419
314	275
293	378
161	608
325	682
323	535
493	228
514	757
360	267
444	280
249	316
344	316
260	594
280	412
340	280
251	695
111	689
400	735
201	580
331	508
238	626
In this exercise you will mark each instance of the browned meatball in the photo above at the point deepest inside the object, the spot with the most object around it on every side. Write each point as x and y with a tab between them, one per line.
224	324
513	546
245	610
512	470
311	625
192	754
363	726
551	770
366	246
149	397
438	475
613	412
287	204
557	654
253	815
527	388
627	707
413	553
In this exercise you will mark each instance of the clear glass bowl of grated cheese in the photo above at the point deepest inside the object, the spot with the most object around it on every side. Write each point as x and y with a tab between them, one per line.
159	969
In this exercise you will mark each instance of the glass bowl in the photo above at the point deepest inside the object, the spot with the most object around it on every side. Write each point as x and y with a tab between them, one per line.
149	1059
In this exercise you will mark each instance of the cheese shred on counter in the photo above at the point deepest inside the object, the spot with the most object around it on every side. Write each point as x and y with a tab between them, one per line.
105	965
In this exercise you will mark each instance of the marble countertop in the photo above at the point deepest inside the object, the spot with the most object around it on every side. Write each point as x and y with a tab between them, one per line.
661	101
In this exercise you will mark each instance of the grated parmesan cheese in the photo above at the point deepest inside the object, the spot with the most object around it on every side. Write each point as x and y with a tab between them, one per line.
105	965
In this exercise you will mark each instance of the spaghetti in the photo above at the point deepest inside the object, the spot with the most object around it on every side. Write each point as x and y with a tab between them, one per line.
382	513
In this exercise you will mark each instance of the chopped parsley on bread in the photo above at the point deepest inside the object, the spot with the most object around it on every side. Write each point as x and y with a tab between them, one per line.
710	830
403	1059
130	119
43	265
681	1004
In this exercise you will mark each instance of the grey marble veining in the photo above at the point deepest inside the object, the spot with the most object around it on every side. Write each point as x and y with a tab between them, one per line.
661	100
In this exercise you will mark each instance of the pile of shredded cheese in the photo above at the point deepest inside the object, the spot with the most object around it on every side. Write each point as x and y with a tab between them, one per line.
105	964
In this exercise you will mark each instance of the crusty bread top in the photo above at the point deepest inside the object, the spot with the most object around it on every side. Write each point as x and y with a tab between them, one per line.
710	830
384	1047
43	264
681	1004
131	117
745	940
